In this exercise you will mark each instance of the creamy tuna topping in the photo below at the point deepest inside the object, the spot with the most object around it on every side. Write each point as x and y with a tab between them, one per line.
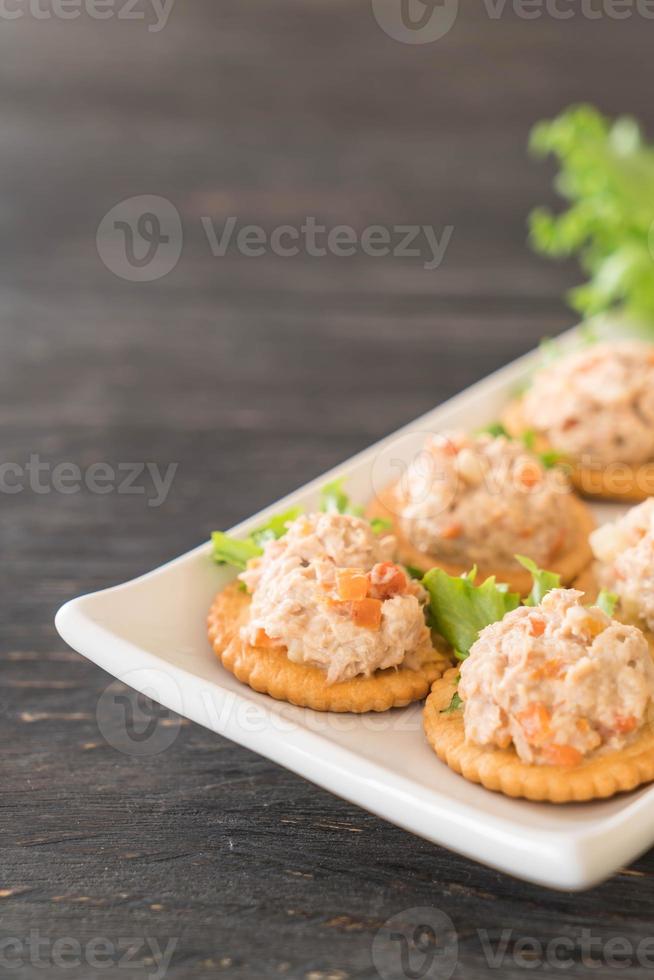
329	592
625	561
560	681
597	403
483	500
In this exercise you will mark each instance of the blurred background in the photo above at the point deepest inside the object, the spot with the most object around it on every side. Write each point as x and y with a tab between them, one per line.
252	374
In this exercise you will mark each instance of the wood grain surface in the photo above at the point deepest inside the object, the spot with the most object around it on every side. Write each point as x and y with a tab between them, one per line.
254	375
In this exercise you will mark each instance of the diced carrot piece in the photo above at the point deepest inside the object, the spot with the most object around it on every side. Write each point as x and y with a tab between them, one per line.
529	475
562	755
535	721
451	531
551	668
449	448
261	639
593	626
624	725
367	613
536	626
583	725
351	584
386	580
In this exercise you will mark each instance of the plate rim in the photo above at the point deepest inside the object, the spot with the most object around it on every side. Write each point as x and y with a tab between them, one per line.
571	860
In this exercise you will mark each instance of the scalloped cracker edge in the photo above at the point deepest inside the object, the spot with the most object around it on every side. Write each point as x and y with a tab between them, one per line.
501	770
269	671
624	482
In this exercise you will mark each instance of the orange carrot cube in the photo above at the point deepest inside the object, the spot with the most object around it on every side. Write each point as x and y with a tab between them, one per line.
367	613
450	531
351	584
386	580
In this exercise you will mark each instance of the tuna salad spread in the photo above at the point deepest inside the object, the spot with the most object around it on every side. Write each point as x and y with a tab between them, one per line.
330	594
559	681
482	499
625	556
598	403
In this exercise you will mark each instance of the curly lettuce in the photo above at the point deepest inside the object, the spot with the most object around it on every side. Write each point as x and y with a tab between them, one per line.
607	176
237	552
460	609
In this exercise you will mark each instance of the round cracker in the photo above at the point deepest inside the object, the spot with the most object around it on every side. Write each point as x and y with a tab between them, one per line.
587	583
568	565
502	771
269	671
623	482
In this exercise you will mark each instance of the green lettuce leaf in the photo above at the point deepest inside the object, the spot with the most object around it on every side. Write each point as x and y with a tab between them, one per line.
454	704
233	551
551	458
228	550
460	609
334	500
528	438
276	526
544	581
607	601
414	572
607	177
381	524
495	429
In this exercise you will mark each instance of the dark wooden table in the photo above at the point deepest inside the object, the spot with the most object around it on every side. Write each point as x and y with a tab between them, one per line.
253	375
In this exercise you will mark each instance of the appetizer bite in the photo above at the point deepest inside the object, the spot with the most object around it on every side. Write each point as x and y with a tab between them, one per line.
624	553
554	700
479	500
323	617
596	406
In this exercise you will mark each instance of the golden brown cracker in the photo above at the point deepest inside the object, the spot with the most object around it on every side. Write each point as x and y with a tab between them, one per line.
568	565
228	613
587	583
269	671
502	771
625	482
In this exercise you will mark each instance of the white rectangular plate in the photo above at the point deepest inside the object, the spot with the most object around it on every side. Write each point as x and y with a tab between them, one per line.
150	633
